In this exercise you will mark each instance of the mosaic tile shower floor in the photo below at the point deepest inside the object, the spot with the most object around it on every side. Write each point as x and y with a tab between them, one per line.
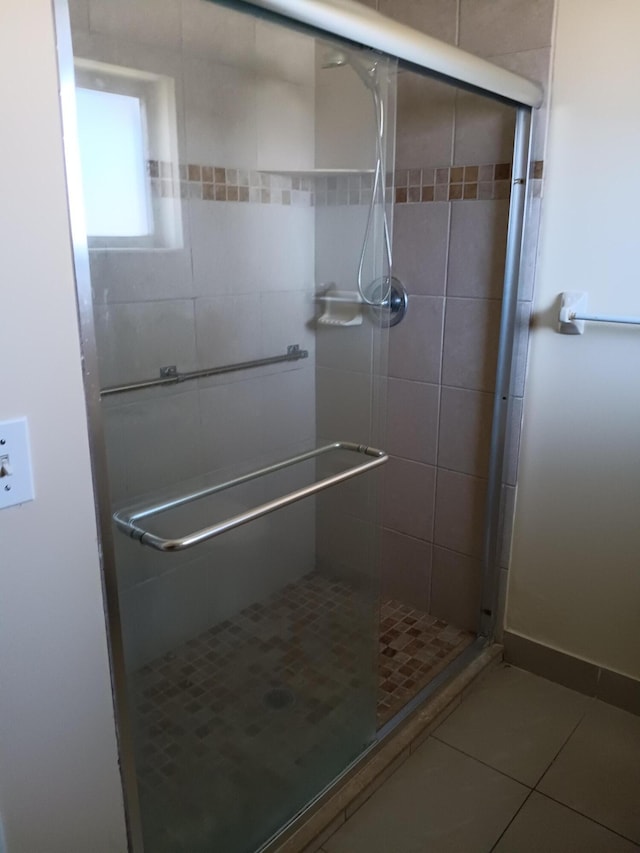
229	723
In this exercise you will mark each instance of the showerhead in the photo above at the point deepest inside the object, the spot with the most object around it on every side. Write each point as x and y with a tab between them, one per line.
365	69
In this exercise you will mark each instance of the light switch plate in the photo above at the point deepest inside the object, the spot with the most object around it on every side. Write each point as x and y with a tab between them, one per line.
15	455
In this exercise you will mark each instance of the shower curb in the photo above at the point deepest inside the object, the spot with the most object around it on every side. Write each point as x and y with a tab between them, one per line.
337	806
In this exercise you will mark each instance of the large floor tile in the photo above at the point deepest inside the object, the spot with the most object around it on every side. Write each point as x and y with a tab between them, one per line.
515	722
598	771
438	800
545	825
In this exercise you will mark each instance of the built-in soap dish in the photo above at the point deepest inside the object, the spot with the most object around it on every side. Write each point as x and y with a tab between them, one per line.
340	308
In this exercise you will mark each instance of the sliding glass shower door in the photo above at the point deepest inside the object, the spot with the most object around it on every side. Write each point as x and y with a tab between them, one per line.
235	182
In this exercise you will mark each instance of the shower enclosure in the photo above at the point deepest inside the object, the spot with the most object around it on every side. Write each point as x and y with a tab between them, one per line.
232	187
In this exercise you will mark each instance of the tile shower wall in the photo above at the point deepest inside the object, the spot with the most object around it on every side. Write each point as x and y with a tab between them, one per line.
453	155
244	99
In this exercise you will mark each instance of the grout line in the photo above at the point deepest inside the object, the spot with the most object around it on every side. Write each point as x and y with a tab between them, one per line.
430	541
524	802
476	298
440	375
586	817
504	831
484	763
566	741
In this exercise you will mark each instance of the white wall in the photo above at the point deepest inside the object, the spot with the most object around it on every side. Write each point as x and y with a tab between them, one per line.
575	572
59	781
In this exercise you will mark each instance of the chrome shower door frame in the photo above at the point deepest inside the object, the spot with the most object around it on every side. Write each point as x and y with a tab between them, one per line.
95	421
504	372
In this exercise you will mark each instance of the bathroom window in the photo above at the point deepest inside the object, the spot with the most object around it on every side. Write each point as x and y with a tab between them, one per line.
127	135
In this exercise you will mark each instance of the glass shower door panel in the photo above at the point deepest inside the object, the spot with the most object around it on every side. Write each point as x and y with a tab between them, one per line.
233	333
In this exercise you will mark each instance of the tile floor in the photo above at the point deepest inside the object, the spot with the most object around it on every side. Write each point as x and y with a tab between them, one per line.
414	648
258	713
523	765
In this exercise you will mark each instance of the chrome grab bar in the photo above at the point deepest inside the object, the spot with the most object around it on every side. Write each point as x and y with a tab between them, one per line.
127	523
171	376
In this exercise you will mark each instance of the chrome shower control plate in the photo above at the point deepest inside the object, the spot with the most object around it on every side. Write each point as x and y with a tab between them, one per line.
394	300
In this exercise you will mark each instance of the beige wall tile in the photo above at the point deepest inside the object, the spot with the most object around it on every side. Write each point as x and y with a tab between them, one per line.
425	120
232	419
339	234
415	346
136	339
345	136
145	21
346	546
406	569
220	107
478	247
536	65
408	495
437	18
471	343
465	431
456	587
161	441
488	27
237	248
140	275
284	54
420	237
460	503
342	408
228	329
287	319
483	130
135	565
288	408
285	121
344	348
217	33
412	420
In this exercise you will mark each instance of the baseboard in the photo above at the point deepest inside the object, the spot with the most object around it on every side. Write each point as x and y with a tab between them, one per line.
611	687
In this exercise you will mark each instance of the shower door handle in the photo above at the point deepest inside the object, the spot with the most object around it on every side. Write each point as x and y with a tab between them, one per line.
129	522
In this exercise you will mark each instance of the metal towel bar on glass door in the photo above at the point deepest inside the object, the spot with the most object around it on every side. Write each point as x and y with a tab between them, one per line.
129	522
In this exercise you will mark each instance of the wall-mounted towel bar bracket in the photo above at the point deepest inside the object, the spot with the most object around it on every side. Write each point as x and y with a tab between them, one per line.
130	522
573	314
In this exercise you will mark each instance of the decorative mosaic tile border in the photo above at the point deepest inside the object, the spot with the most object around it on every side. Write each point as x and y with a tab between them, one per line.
218	183
412	186
455	183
